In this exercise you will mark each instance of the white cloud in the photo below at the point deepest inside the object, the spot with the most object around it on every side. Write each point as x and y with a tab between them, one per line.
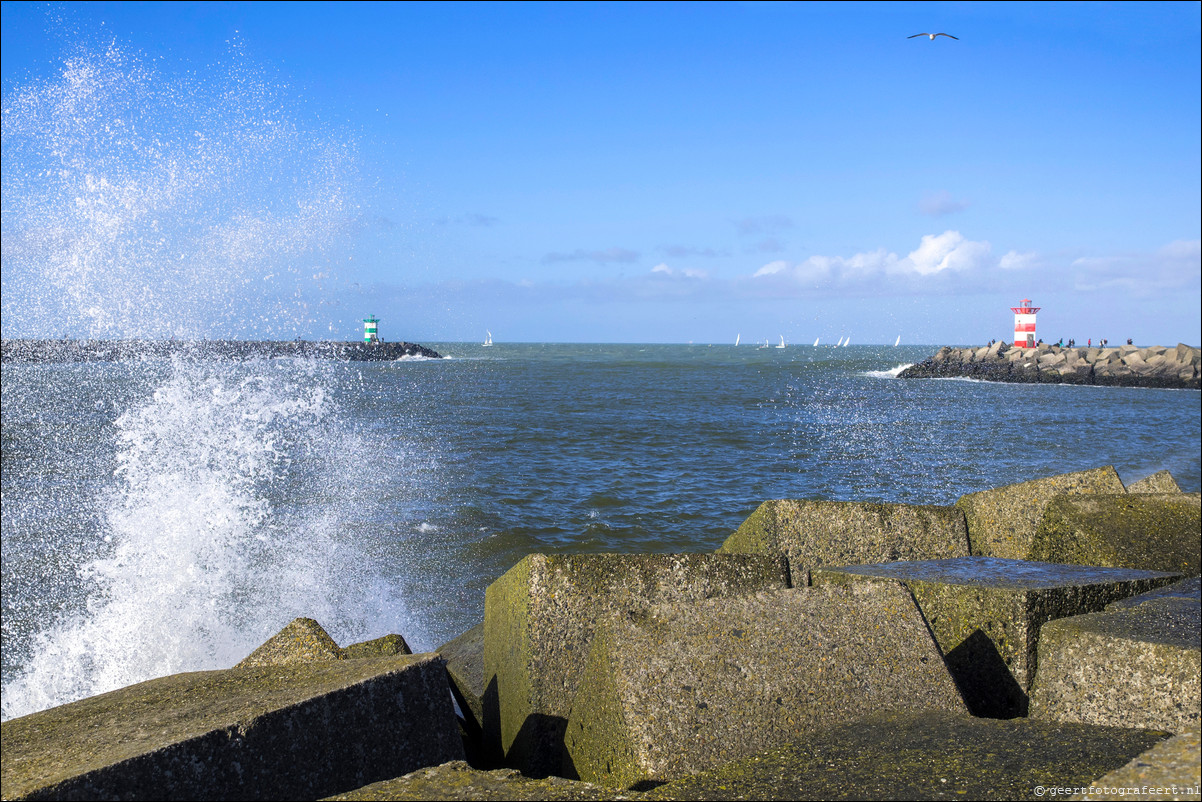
1013	260
948	251
672	272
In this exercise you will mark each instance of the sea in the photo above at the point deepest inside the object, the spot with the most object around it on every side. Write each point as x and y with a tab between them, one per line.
167	515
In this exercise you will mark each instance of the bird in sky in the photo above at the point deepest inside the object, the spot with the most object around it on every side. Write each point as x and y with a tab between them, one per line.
933	35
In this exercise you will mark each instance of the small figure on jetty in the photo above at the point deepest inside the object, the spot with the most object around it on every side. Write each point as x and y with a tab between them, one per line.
933	35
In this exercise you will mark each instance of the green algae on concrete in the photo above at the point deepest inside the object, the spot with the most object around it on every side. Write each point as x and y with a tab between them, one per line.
294	731
1132	666
302	641
1159	482
1170	770
1185	589
539	619
689	686
1156	531
386	646
465	669
814	534
924	756
459	781
986	614
1002	521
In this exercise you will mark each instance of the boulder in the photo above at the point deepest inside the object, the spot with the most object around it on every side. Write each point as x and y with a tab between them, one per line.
539	619
986	614
1002	521
1156	531
1129	666
302	641
922	756
814	534
1159	482
690	686
276	731
379	647
1170	770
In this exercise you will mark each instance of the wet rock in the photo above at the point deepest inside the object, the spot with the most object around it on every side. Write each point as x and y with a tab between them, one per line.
1156	531
909	756
459	781
690	686
539	621
465	668
1185	589
1002	521
814	534
986	614
278	731
1129	666
1170	770
1159	482
302	641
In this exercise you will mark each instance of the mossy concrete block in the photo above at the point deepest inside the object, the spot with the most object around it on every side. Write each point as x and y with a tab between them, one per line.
459	781
814	534
1185	589
687	687
908	756
986	614
295	731
539	620
1170	770
1002	521
1156	531
386	646
1136	666
302	641
1159	482
465	669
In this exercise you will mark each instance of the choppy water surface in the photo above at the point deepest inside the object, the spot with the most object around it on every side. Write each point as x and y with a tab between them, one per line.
162	516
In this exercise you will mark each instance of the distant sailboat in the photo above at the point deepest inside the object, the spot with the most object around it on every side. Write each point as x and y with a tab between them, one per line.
839	343
782	342
737	336
898	341
848	341
815	342
488	339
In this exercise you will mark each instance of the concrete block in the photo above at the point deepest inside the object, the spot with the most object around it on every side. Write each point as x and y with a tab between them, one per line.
379	647
986	614
1002	521
1185	589
688	687
924	756
459	781
1159	482
1155	531
1170	770
465	669
1131	666
302	641
814	534
539	620
294	731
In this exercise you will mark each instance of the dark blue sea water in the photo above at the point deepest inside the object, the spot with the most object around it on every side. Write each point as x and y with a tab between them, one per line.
163	516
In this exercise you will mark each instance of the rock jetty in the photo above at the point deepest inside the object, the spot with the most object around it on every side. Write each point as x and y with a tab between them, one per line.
1124	366
49	351
828	650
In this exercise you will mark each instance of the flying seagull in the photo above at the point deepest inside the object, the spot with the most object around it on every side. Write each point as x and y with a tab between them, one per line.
933	35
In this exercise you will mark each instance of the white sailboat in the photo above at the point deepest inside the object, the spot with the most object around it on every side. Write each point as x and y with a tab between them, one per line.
737	336
488	339
898	341
782	342
847	341
816	342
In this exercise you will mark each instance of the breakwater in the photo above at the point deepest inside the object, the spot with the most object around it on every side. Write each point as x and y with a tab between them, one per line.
1026	638
51	351
1122	366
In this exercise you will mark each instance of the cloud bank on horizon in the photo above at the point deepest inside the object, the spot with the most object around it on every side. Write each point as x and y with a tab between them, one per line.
667	173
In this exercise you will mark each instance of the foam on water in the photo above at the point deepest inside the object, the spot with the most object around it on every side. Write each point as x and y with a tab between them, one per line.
141	204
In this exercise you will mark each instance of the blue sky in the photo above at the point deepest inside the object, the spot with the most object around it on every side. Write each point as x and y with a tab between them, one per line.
620	172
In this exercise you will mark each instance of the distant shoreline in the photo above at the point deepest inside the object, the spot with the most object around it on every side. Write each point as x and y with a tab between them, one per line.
66	351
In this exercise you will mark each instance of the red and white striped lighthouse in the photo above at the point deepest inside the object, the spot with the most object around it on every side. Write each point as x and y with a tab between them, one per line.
1024	324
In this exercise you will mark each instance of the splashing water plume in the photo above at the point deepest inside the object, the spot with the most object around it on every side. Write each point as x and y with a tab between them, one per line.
142	205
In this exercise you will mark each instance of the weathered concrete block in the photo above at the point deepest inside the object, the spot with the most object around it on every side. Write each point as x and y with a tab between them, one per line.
921	756
1156	531
688	687
386	646
1170	770
1129	666
986	614
814	534
295	731
1185	589
1159	482
302	641
1002	521
539	620
459	781
465	669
